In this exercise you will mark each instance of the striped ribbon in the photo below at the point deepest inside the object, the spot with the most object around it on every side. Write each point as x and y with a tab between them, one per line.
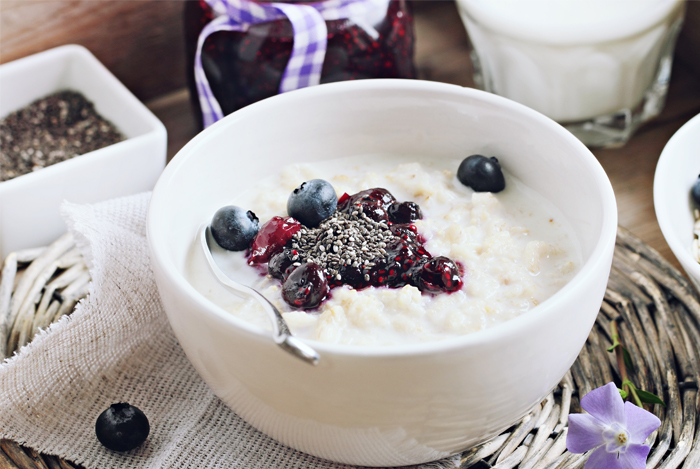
310	36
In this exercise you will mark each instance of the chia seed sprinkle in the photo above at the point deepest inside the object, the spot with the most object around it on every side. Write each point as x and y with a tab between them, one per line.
50	130
338	240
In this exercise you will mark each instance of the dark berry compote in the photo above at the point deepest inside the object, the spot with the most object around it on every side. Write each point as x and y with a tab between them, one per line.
369	240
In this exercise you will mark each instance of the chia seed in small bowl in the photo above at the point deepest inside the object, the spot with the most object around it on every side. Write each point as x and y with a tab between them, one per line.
56	105
50	130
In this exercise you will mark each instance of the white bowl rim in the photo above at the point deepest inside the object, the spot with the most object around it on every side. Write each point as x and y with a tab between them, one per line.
511	327
661	175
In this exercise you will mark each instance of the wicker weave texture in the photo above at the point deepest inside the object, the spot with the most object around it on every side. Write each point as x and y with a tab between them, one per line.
655	309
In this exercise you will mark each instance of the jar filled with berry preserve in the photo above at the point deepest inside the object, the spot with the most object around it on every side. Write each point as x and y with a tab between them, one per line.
242	51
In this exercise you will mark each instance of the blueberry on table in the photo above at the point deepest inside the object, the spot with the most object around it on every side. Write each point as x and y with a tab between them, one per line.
312	202
234	228
306	287
481	174
122	427
695	192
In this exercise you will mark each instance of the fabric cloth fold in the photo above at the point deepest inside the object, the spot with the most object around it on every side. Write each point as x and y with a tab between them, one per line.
117	346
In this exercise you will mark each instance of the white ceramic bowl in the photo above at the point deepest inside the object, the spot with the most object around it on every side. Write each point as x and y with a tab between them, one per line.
29	204
382	406
678	168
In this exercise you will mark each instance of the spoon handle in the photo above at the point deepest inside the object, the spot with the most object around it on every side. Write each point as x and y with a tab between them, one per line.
282	336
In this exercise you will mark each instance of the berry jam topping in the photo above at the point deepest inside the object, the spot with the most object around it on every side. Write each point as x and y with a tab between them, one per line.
406	232
312	202
481	174
439	274
404	212
377	196
272	238
234	228
368	241
306	287
282	263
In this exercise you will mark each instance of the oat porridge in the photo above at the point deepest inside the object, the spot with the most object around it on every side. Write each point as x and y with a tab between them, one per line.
504	252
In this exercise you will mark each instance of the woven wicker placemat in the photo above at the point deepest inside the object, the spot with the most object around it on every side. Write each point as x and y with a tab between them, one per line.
37	287
657	313
658	316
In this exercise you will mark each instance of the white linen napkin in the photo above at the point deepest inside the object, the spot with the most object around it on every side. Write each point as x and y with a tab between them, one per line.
117	346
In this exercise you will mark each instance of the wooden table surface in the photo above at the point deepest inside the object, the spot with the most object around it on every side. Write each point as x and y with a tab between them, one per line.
442	54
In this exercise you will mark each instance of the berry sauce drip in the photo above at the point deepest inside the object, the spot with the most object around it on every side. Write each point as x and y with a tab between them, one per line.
368	241
245	67
271	238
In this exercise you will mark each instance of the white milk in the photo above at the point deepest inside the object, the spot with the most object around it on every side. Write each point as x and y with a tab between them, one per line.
575	60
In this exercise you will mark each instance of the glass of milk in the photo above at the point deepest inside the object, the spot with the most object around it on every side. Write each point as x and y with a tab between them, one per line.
599	67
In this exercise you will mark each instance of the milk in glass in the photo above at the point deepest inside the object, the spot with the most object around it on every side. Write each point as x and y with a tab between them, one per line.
600	67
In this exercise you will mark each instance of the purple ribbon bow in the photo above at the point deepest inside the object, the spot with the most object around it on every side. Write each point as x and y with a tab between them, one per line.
310	37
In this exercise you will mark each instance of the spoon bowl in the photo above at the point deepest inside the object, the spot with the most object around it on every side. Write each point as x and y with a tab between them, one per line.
281	334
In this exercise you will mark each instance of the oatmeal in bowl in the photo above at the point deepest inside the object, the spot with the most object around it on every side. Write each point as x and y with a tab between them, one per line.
408	254
479	304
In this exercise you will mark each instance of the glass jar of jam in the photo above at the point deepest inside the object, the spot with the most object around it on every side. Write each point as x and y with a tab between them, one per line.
243	67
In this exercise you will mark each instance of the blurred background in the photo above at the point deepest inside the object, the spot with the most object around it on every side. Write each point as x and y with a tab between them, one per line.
142	43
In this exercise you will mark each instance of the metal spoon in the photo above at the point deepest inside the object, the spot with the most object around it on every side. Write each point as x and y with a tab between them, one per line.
280	330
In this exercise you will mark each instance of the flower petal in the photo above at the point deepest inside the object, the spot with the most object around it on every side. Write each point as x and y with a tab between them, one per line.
635	457
585	433
601	459
605	404
640	423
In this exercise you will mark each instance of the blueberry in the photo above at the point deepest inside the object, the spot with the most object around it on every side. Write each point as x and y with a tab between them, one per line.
312	202
306	287
404	212
695	192
122	427
234	228
481	174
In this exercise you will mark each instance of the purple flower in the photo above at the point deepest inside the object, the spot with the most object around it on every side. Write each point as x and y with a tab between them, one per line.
617	429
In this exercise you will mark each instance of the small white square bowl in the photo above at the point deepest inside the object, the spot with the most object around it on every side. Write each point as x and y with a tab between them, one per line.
29	204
